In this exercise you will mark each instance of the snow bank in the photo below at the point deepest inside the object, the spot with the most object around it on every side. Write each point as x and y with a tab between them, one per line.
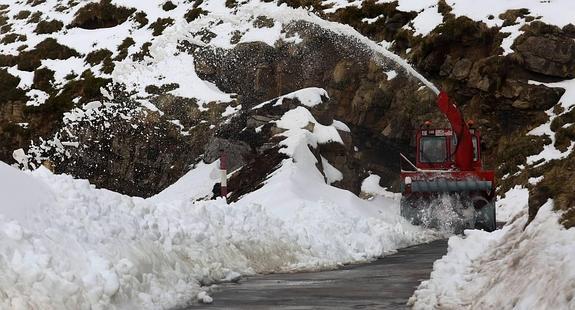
515	201
89	248
21	196
511	268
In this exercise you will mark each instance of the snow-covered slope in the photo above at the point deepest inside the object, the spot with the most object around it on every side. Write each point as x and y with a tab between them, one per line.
93	248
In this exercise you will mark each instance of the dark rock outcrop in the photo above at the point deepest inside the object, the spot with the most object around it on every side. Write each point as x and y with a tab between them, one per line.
547	50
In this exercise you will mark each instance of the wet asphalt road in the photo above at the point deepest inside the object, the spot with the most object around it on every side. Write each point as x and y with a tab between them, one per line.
383	284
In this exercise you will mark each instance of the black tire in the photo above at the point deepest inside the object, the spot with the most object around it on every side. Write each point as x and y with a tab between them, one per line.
486	219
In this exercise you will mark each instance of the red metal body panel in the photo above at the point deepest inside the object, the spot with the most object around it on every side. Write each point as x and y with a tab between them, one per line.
463	154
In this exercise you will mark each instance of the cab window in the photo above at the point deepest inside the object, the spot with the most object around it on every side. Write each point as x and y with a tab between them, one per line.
474	139
432	149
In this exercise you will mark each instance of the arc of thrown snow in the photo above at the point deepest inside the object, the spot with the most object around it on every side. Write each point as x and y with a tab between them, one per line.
345	30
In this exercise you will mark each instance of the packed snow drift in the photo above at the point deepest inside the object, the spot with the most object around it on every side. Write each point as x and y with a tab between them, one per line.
516	267
87	248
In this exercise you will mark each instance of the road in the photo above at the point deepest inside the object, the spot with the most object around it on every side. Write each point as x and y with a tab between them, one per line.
383	284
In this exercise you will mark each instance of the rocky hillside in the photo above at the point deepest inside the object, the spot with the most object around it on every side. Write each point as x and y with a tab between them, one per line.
130	94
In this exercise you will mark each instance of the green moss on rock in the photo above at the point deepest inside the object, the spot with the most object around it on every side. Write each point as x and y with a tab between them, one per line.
101	15
9	90
47	49
155	90
43	79
160	25
168	6
193	14
46	27
13	37
35	18
144	52
22	14
123	49
141	18
98	56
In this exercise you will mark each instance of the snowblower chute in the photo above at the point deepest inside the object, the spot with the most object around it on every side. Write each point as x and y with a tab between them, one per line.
448	173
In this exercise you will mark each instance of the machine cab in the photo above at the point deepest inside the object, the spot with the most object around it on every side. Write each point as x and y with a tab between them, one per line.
436	149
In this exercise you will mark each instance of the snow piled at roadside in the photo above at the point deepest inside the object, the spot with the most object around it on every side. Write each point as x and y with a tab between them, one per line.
515	201
512	268
89	248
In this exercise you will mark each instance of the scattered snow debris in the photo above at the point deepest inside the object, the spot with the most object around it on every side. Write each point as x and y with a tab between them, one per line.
535	180
21	158
370	187
232	276
259	128
341	126
515	201
391	75
294	39
495	270
92	105
332	175
150	106
370	20
514	33
106	93
309	97
26	78
427	20
23	125
177	123
204	298
231	110
385	44
37	97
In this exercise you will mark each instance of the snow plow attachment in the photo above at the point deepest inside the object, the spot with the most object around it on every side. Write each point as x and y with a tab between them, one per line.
452	201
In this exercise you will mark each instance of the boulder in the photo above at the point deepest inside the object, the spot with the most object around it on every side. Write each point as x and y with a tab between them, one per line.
548	54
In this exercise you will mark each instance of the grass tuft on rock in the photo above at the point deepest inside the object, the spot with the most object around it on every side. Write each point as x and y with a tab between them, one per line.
101	14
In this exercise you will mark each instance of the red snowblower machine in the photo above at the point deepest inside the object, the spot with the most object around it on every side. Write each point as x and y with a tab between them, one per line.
447	186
